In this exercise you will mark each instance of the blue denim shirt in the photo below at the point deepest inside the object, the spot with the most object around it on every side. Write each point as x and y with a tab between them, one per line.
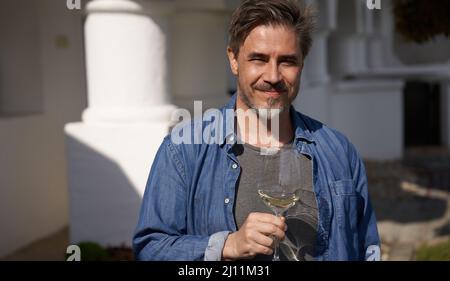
187	208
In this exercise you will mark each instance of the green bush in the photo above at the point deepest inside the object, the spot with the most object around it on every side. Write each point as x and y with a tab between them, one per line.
438	252
91	251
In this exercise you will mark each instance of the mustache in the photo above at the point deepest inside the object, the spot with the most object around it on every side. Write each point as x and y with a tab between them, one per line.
267	87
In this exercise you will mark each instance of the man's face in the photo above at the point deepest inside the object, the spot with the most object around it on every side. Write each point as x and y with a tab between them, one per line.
268	67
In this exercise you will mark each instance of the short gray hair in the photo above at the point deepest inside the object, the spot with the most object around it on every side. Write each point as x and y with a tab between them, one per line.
253	13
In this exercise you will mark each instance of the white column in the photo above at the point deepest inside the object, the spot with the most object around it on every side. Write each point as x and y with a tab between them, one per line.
380	41
348	42
314	96
316	63
387	30
126	62
110	153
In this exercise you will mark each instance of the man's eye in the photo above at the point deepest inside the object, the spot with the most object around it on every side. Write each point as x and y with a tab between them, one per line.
289	63
257	60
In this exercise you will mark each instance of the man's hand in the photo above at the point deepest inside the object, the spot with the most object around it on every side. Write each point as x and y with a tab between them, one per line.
254	237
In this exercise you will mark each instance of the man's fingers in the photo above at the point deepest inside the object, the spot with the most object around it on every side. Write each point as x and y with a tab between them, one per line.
263	240
270	229
257	243
268	218
260	249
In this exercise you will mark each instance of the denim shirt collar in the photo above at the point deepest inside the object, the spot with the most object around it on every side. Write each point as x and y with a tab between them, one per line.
229	131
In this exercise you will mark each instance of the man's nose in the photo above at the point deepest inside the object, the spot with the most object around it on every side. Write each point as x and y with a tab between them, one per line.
272	74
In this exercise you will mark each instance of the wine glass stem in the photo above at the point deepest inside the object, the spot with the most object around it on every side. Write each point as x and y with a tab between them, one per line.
276	254
276	250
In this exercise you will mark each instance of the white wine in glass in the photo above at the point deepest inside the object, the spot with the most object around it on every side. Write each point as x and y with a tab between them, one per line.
278	201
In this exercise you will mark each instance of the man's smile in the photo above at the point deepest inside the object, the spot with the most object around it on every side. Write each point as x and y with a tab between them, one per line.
272	93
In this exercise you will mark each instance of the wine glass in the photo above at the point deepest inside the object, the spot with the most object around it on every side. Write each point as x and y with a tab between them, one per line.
277	186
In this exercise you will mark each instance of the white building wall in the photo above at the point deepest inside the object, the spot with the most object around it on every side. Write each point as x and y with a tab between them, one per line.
370	114
314	102
33	184
198	60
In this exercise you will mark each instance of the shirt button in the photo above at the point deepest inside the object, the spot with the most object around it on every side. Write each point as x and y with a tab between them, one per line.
231	139
227	200
234	166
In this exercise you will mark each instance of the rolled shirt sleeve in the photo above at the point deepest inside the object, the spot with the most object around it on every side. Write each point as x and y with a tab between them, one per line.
215	246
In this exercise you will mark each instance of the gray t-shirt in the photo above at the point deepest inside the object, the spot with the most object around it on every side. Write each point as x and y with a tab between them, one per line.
301	219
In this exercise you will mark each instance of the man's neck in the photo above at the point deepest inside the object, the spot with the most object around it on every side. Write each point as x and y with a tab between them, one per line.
258	132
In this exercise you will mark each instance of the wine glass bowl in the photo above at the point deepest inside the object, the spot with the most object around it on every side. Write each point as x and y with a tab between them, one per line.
279	201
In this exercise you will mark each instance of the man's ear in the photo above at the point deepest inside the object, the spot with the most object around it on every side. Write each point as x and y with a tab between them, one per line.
233	61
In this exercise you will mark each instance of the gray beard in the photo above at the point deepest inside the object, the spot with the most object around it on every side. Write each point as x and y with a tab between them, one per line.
264	113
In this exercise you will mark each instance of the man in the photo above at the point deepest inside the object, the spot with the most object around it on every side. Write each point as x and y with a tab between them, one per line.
201	200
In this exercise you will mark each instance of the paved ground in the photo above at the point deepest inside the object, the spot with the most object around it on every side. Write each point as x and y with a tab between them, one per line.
412	201
51	248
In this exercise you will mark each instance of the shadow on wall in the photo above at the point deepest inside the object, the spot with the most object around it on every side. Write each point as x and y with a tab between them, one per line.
104	204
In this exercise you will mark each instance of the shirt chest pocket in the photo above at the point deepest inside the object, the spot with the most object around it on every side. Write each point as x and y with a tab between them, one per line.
347	203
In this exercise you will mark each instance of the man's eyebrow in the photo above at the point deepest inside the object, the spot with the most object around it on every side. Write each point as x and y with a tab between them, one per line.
289	57
255	55
292	57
